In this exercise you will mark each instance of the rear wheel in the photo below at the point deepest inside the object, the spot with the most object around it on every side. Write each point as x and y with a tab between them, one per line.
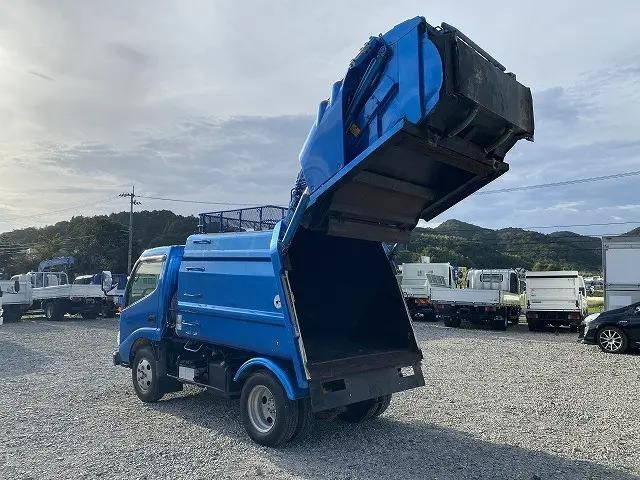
145	375
90	315
383	404
361	411
269	417
305	418
499	323
573	328
53	311
612	340
535	325
452	322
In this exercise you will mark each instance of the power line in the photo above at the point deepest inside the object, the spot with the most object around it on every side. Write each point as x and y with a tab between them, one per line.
195	201
561	184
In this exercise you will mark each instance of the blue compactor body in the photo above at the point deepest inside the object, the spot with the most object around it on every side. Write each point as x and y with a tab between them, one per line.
305	317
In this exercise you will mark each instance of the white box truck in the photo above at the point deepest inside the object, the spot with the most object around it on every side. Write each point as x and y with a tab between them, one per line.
555	298
621	266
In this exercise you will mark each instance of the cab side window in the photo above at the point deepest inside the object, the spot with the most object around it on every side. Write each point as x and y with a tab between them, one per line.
144	280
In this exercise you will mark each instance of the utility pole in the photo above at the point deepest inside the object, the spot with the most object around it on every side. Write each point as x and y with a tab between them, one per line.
132	202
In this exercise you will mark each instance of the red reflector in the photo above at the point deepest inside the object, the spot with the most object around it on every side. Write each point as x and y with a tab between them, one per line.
489	309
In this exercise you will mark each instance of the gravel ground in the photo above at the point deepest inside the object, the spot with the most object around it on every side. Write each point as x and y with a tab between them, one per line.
496	405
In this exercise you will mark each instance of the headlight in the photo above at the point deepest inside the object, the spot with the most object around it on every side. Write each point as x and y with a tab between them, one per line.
590	318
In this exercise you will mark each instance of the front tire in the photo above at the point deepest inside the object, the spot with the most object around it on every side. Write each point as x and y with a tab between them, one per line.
612	340
146	376
268	416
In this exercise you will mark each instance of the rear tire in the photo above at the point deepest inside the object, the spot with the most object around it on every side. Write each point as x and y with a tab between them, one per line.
52	311
612	340
361	411
91	315
383	404
268	416
573	328
499	323
305	419
535	325
145	375
452	322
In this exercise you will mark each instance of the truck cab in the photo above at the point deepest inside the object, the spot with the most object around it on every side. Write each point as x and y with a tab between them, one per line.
264	310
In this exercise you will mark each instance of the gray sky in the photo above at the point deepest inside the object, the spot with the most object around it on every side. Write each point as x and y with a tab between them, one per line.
211	101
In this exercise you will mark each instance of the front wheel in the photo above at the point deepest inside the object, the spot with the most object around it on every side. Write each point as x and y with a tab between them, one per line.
145	375
268	416
612	340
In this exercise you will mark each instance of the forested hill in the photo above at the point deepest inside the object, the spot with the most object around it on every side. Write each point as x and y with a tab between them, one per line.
465	244
100	243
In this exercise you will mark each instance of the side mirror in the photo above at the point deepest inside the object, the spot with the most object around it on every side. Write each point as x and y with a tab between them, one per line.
638	310
107	281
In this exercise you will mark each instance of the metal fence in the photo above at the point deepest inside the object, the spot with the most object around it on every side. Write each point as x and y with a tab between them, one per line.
242	220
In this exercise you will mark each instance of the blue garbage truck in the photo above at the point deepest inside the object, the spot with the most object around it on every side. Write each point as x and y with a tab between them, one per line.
265	311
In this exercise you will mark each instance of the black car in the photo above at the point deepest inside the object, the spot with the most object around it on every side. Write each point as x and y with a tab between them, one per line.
615	331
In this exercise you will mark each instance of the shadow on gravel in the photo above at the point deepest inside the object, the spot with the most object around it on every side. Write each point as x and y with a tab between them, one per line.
385	448
18	360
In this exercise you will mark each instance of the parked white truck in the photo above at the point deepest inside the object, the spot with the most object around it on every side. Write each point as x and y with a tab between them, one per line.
491	298
555	298
17	298
52	293
621	266
416	282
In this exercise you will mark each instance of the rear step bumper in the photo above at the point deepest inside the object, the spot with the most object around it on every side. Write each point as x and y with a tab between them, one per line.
357	387
349	380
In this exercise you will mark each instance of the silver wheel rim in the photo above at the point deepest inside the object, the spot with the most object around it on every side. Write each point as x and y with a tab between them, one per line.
261	409
610	340
144	375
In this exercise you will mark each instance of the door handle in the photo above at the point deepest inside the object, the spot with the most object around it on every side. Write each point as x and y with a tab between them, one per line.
193	295
151	319
195	269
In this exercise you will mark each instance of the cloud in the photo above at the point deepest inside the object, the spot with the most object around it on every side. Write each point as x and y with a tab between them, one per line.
202	101
41	75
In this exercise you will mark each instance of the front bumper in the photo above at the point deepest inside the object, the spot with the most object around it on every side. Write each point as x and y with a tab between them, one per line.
587	334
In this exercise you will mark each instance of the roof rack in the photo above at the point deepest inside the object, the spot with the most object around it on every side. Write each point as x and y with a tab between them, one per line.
251	219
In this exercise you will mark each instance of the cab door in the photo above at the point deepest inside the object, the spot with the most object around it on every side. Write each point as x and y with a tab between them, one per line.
142	296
